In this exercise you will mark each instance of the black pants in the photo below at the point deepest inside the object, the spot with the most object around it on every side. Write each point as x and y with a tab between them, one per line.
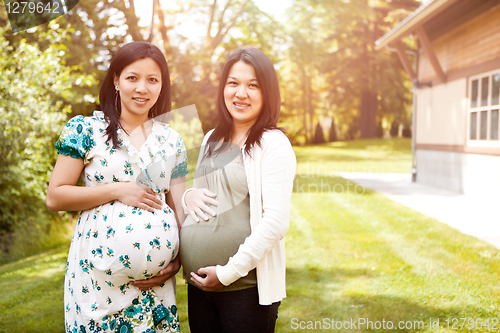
230	312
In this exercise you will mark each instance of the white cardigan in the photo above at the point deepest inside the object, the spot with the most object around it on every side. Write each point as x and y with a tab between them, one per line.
270	170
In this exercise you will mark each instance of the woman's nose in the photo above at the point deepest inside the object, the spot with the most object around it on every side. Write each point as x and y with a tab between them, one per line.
241	92
141	87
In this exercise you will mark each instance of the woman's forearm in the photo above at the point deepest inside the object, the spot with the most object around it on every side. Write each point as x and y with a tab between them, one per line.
74	198
64	194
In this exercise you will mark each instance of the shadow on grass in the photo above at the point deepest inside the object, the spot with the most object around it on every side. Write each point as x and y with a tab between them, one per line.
32	293
317	297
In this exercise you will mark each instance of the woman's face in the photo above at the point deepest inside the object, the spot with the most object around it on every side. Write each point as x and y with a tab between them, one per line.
139	86
242	94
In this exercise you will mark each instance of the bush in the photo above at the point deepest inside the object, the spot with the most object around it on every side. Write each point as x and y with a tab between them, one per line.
35	90
332	137
379	131
394	129
406	132
319	136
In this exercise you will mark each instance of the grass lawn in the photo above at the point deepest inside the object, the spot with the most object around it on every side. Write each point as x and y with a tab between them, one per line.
350	257
369	155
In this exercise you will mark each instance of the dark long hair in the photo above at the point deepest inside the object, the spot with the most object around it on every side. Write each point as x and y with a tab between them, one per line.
269	86
110	99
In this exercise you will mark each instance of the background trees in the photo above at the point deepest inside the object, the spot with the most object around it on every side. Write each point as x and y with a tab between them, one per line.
342	77
35	94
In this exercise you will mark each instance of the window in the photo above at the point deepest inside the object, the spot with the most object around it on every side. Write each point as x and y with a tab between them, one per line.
483	110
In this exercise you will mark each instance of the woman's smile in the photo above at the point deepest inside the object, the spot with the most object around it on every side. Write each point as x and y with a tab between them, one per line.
242	94
139	85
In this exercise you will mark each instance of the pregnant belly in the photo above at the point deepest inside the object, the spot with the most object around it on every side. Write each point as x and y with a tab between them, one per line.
213	242
123	243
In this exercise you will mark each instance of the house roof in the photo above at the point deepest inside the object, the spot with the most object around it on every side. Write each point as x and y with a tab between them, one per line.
420	16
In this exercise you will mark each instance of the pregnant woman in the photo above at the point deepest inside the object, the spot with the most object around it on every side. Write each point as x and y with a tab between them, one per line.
132	167
235	260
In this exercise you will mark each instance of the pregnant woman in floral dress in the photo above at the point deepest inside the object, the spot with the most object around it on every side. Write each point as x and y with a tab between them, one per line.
124	250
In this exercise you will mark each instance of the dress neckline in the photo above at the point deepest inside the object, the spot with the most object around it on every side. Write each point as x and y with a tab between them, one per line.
128	143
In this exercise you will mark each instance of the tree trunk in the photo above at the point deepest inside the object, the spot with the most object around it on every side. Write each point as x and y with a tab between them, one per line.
368	114
131	20
368	111
304	109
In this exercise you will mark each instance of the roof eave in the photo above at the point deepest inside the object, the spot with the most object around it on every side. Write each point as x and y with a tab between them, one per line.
421	15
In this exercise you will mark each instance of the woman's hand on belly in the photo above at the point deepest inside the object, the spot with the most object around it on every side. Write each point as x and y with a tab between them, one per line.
165	274
133	195
207	279
197	201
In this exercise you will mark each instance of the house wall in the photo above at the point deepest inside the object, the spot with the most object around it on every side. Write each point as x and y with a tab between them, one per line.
473	43
444	158
441	114
459	172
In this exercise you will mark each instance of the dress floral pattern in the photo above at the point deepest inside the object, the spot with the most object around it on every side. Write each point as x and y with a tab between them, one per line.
114	244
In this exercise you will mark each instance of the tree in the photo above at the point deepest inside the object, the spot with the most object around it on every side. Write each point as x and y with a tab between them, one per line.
361	86
394	129
35	90
319	136
332	136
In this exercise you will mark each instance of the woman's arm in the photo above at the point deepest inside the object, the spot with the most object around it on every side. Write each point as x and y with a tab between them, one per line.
64	194
277	168
195	201
173	198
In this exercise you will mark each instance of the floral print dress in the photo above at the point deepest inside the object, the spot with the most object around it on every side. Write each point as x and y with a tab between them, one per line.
114	244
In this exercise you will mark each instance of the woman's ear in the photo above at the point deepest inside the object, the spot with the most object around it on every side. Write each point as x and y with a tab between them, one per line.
115	81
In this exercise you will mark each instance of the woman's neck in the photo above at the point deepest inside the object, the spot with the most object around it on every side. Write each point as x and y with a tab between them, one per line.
132	121
240	131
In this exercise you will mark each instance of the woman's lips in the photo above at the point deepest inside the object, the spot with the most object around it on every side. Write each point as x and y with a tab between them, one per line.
241	106
140	101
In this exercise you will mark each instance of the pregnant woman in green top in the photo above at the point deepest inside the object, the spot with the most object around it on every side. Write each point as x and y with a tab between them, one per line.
234	261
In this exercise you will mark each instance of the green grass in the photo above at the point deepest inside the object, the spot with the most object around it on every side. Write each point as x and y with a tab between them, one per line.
370	155
355	256
349	256
32	294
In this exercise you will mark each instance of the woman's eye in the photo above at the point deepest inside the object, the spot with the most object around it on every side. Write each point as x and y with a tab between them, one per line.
254	86
153	80
232	83
131	78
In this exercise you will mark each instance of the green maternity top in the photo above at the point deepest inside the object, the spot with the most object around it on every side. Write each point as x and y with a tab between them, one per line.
213	242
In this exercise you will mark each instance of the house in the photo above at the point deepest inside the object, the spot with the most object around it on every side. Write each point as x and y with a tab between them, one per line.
456	85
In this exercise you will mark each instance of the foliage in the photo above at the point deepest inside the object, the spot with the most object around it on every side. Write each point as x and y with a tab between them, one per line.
334	69
92	32
196	65
35	90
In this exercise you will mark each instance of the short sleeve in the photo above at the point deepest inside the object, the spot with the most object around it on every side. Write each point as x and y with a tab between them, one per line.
76	138
181	160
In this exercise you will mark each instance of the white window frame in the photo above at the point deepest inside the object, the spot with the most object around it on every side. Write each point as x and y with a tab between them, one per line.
478	142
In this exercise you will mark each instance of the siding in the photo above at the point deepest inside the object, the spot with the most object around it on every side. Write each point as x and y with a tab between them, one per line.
473	43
